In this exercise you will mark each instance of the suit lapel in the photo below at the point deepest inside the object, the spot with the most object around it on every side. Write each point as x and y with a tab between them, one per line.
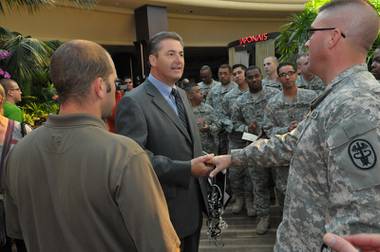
189	114
160	102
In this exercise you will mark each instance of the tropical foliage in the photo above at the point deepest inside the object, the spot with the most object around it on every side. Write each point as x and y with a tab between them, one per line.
26	60
294	35
29	57
36	113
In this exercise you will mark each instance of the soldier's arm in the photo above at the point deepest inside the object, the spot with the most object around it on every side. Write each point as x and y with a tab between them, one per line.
353	168
276	151
226	120
209	98
237	118
213	122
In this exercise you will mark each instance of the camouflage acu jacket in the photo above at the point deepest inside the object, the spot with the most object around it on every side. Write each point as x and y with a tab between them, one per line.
334	176
280	112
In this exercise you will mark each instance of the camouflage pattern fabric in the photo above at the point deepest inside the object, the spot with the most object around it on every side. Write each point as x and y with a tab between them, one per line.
315	84
279	113
214	99
271	83
249	108
205	115
334	176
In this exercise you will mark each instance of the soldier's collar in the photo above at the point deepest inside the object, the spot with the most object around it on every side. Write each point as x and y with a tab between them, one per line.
335	83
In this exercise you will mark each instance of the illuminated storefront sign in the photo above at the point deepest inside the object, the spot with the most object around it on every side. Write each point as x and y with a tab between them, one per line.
254	38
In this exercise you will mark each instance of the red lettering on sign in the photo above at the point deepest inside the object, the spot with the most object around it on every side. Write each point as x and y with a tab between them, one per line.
254	38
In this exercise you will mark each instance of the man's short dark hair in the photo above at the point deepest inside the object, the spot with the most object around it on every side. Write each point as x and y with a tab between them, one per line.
154	42
224	66
285	64
75	65
189	86
205	67
239	65
253	67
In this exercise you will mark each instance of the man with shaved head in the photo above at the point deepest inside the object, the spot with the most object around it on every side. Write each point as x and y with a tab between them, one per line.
270	68
334	176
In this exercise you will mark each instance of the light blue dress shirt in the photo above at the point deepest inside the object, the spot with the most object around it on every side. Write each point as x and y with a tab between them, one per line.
165	91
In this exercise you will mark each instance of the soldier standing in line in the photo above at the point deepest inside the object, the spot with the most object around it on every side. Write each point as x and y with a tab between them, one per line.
215	98
307	79
205	118
283	113
248	116
334	175
207	81
375	66
270	68
241	185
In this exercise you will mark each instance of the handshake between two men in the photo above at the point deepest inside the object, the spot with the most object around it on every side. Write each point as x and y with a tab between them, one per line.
209	165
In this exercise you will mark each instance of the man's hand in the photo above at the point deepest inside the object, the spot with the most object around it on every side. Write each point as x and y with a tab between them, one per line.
252	127
202	166
221	163
292	126
351	243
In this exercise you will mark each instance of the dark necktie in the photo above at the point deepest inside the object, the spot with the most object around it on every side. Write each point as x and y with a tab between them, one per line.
180	107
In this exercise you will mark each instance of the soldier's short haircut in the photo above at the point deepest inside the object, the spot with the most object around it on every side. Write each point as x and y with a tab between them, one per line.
239	65
205	67
189	86
361	21
7	84
253	67
285	64
226	66
154	42
75	65
274	58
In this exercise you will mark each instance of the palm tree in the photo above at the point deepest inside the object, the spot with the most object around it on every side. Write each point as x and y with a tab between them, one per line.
29	57
34	5
293	36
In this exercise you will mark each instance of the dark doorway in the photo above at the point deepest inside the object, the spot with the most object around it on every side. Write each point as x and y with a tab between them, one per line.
196	57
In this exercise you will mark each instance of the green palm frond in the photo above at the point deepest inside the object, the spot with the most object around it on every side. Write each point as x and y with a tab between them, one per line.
34	5
294	34
29	56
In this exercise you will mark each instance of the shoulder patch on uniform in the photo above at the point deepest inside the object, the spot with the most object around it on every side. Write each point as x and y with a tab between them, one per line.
362	154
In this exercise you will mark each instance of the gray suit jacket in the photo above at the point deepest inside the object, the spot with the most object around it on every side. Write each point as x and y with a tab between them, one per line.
145	116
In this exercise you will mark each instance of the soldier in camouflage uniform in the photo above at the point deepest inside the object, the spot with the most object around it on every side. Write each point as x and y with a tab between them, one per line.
248	116
207	82
240	182
205	118
270	68
334	176
375	66
283	113
215	98
306	79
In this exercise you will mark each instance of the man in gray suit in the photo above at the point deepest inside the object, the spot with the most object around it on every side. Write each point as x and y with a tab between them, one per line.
158	116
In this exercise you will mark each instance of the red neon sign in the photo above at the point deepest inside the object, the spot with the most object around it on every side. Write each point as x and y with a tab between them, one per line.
254	38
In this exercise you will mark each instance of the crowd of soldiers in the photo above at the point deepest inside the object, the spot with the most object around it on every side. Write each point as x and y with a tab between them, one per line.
242	102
